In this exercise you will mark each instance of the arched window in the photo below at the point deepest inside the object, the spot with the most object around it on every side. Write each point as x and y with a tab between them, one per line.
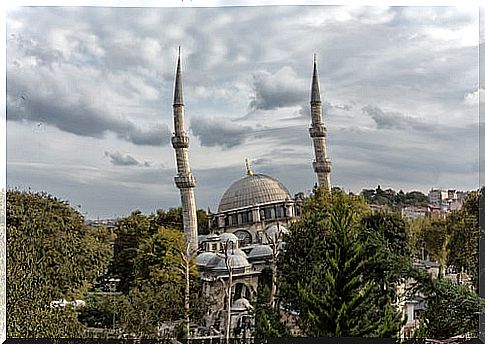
244	237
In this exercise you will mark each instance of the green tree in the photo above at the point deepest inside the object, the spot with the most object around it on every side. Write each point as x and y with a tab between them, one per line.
464	231
130	232
51	254
338	293
452	310
158	291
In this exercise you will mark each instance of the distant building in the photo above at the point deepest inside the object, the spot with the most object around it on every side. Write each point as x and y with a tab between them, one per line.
413	212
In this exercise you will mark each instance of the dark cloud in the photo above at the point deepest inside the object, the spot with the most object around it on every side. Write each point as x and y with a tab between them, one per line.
80	117
218	132
394	120
118	159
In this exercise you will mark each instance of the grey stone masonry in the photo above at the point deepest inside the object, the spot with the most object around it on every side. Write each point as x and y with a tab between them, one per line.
184	180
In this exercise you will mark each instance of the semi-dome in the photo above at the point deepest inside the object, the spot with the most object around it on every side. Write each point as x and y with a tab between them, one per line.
225	237
261	251
235	261
253	190
241	304
204	258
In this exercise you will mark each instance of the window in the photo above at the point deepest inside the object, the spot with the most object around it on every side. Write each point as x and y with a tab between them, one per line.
267	213
244	217
280	211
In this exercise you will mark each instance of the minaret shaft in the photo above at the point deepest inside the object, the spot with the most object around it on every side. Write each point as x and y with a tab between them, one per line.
318	132
184	180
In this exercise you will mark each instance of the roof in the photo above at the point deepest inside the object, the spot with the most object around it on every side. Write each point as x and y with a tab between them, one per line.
253	190
204	258
235	261
261	251
225	237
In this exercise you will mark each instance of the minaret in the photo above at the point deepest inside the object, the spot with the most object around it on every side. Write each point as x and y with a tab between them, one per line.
184	180
318	132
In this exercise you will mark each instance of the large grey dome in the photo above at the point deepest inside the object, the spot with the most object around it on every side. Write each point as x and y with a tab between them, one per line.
252	190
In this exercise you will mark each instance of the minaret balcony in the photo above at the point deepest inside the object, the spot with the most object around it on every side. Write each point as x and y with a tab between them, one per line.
181	141
318	130
185	181
322	166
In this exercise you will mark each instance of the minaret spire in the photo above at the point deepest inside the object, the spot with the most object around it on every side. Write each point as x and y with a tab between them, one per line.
318	132
315	97
184	180
178	95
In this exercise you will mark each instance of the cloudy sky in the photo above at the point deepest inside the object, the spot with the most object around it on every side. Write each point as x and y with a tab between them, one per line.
89	94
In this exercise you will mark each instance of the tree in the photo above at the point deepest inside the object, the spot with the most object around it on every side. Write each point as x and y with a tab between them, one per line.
267	322
464	231
452	310
51	254
308	240
158	294
337	291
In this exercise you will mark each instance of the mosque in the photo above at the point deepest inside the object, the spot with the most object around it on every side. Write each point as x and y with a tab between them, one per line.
248	227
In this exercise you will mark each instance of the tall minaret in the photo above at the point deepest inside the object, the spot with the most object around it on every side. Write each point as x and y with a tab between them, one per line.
184	180
318	132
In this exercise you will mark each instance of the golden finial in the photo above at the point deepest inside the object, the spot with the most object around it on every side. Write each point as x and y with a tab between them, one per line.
248	168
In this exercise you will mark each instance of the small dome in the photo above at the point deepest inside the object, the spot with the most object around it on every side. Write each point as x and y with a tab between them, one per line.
261	251
204	258
235	261
253	190
224	237
276	230
237	252
241	304
214	261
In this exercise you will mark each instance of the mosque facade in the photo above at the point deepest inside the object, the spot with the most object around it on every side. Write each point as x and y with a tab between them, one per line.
247	231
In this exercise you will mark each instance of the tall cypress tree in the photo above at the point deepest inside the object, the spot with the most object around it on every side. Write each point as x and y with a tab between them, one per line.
331	258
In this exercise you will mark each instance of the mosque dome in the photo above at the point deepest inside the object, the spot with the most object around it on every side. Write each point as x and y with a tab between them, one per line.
261	251
253	190
204	258
235	261
224	237
241	304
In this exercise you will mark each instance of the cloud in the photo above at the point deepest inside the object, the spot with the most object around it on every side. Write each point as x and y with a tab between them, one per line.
118	159
218	132
394	120
281	89
44	86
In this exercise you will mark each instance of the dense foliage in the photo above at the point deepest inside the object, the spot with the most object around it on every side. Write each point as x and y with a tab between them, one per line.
51	255
346	268
393	199
148	260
